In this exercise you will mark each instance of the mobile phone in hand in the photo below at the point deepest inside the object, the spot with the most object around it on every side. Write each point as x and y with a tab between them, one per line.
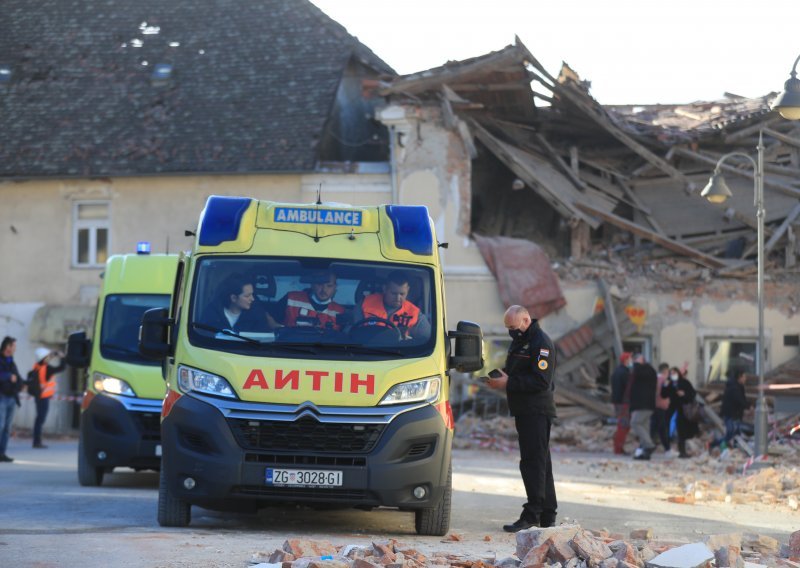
494	373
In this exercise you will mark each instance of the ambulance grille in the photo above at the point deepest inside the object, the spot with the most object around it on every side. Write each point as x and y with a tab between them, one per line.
305	435
149	425
286	493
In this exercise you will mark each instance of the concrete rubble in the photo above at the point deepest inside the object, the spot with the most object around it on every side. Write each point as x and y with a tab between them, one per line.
564	546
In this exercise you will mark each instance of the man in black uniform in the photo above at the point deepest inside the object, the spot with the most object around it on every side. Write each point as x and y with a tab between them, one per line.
528	379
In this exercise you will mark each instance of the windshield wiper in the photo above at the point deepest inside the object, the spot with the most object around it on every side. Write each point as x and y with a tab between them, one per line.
205	327
120	348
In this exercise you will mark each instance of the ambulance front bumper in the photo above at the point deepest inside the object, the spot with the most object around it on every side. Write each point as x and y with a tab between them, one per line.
231	452
124	431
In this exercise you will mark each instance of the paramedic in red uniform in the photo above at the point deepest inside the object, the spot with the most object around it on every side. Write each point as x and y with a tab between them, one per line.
313	307
393	306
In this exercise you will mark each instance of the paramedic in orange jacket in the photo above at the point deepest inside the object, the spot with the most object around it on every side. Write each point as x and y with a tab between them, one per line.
313	307
392	305
47	384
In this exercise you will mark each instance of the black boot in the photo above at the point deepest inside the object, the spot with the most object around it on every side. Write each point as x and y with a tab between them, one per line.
520	524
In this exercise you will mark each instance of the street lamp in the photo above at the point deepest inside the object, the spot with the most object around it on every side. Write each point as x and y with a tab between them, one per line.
788	102
717	191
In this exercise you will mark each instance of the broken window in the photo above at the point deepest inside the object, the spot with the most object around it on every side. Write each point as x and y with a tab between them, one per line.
90	233
721	356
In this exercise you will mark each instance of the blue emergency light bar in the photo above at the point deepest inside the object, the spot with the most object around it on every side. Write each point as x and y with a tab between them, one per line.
143	247
221	219
412	228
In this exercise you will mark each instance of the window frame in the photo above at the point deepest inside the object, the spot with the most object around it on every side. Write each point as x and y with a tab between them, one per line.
92	226
706	350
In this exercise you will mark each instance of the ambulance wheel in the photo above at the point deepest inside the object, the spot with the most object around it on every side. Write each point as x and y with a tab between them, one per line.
435	521
88	475
172	512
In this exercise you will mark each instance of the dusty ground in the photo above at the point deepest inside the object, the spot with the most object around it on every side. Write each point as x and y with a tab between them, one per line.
115	524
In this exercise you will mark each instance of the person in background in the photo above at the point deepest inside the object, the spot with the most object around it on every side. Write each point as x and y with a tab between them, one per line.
734	404
10	386
620	398
659	423
529	381
643	403
680	392
47	388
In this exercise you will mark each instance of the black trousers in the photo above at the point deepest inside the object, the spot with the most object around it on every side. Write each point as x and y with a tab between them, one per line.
536	467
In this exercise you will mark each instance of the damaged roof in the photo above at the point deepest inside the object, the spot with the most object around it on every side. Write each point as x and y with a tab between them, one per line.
638	168
112	87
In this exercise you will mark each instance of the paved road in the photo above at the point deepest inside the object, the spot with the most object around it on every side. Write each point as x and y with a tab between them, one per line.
47	519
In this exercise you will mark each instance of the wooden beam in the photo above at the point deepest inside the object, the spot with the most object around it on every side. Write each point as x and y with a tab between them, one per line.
641	207
580	397
611	317
556	157
752	129
579	100
782	137
782	228
693	254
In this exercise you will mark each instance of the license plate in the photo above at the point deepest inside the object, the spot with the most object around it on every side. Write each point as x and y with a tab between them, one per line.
158	450
303	477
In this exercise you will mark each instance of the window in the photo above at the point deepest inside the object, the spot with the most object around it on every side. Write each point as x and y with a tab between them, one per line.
637	345
90	236
723	355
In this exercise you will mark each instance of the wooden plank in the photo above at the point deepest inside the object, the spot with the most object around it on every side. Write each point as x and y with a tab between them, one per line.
782	137
753	129
580	397
641	207
579	100
695	255
611	317
782	228
556	157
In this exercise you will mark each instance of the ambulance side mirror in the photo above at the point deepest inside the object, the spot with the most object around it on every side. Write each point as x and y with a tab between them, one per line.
154	333
468	355
79	350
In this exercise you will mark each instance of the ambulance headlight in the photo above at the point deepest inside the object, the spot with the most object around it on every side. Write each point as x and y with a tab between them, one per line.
414	391
112	385
194	380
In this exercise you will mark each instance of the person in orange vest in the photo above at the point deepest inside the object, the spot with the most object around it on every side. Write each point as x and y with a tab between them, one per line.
313	307
47	388
392	305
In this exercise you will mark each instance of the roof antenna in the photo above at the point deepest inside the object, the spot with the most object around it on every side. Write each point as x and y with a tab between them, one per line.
316	221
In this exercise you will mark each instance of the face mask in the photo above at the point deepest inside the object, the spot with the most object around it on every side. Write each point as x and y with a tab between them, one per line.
674	377
515	333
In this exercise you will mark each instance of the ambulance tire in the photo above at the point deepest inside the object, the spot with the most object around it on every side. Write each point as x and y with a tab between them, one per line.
435	521
88	475
172	512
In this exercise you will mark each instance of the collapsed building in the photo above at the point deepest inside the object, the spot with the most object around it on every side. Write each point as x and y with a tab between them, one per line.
591	216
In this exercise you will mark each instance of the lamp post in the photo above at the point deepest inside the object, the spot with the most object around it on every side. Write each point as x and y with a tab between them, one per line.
717	191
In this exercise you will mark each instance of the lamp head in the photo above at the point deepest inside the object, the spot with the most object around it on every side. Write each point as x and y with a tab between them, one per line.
788	102
716	190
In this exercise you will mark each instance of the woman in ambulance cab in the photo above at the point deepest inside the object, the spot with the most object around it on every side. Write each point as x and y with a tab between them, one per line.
232	310
392	305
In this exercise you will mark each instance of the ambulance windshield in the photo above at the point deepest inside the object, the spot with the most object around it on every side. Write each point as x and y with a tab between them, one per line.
119	331
313	308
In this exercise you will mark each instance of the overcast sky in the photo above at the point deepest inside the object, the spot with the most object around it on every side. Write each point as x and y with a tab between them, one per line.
633	51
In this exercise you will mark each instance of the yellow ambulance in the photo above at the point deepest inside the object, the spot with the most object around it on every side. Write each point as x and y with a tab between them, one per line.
121	407
306	356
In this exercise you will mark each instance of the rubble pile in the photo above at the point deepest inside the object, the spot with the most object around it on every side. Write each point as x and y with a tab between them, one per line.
499	433
565	546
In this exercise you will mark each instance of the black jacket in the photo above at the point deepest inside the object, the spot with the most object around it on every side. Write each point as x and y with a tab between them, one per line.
734	400
686	428
619	384
531	365
643	389
7	388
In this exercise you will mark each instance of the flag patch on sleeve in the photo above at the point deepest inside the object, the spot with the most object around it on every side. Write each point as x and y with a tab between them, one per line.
544	353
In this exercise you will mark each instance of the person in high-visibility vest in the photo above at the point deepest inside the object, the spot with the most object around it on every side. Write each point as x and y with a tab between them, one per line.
392	305
47	384
313	307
